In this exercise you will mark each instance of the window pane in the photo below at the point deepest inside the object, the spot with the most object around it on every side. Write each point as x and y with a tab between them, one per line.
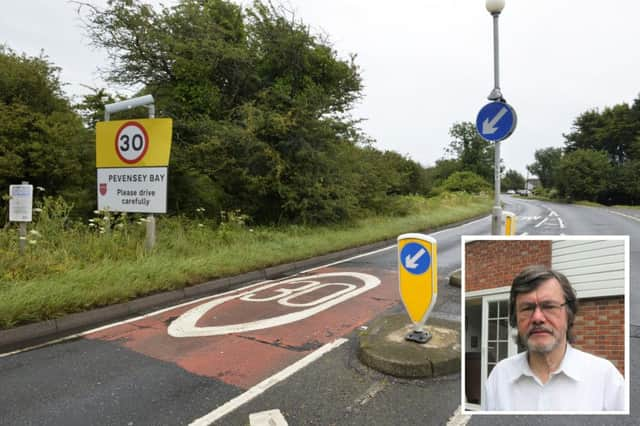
503	329
493	309
491	352
490	368
493	328
502	350
504	308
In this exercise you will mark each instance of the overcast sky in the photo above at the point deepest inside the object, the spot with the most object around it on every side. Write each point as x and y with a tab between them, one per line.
426	64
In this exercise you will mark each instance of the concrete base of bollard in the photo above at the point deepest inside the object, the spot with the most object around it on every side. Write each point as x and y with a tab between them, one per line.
384	348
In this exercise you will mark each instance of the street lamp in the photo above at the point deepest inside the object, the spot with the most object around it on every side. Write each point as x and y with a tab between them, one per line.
495	7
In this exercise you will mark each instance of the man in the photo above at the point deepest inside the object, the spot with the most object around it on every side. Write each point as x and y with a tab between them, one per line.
551	375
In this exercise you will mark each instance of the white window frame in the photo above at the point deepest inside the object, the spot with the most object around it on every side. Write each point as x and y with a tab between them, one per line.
512	347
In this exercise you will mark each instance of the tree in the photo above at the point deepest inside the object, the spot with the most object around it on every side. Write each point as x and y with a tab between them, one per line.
467	182
474	153
613	131
442	170
42	140
624	184
513	180
546	165
584	174
260	105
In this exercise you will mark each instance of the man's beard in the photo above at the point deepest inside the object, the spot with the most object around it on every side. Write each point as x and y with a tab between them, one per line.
542	348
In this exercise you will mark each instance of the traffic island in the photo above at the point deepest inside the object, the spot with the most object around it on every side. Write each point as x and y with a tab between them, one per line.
383	347
455	278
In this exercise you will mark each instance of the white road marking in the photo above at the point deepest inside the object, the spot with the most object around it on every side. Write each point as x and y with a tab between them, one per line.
541	222
261	387
551	214
458	418
185	324
388	247
624	215
267	418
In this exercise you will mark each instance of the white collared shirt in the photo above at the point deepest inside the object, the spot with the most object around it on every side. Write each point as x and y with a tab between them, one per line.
583	382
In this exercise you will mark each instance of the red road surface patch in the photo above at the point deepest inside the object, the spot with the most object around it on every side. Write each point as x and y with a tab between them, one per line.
245	359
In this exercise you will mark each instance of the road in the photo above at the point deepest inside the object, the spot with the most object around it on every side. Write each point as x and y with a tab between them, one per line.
223	362
544	218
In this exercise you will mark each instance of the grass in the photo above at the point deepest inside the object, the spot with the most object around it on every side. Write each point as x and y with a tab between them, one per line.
72	267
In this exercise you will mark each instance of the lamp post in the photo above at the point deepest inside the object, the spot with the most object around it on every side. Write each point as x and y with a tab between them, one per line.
495	7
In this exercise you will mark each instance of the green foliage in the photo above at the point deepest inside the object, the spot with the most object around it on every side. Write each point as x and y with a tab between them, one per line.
584	174
512	180
612	131
466	182
546	165
42	140
437	174
260	108
472	152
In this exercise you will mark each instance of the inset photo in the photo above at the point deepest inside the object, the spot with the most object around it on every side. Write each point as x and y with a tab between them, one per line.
546	325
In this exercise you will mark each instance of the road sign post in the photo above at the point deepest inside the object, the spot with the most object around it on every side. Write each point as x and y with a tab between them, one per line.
132	158
418	279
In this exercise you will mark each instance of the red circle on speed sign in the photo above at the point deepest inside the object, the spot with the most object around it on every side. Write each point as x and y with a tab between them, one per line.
132	142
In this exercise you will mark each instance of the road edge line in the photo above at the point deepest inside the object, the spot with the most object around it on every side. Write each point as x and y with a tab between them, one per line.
624	215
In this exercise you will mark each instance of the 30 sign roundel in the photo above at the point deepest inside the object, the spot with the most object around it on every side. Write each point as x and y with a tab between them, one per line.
132	142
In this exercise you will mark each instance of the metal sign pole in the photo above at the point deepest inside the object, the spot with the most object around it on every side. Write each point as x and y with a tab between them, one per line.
147	101
22	233
150	239
496	95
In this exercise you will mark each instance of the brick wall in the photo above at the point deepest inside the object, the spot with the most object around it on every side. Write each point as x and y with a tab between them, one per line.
599	328
491	264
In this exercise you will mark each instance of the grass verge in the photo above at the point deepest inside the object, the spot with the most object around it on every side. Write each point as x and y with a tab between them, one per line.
70	267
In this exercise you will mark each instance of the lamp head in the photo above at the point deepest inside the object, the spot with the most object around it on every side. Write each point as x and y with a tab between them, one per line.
495	6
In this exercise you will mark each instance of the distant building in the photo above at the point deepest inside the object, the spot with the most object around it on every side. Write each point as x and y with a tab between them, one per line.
532	183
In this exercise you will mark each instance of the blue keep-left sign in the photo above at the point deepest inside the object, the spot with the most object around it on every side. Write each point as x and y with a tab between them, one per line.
496	121
415	258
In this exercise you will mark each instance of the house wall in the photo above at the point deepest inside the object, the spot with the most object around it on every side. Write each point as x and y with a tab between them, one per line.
599	328
491	264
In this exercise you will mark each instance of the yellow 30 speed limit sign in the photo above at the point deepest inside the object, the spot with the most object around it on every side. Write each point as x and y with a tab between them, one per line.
133	143
418	275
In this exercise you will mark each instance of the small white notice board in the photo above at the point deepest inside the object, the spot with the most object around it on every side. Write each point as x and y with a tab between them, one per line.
20	203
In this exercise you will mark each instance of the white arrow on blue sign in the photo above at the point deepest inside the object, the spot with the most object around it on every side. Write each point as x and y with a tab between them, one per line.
496	121
415	258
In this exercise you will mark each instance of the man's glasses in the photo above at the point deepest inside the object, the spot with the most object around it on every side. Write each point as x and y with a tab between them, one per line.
526	310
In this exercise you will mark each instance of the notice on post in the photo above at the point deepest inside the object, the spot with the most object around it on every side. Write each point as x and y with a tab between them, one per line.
20	203
133	189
